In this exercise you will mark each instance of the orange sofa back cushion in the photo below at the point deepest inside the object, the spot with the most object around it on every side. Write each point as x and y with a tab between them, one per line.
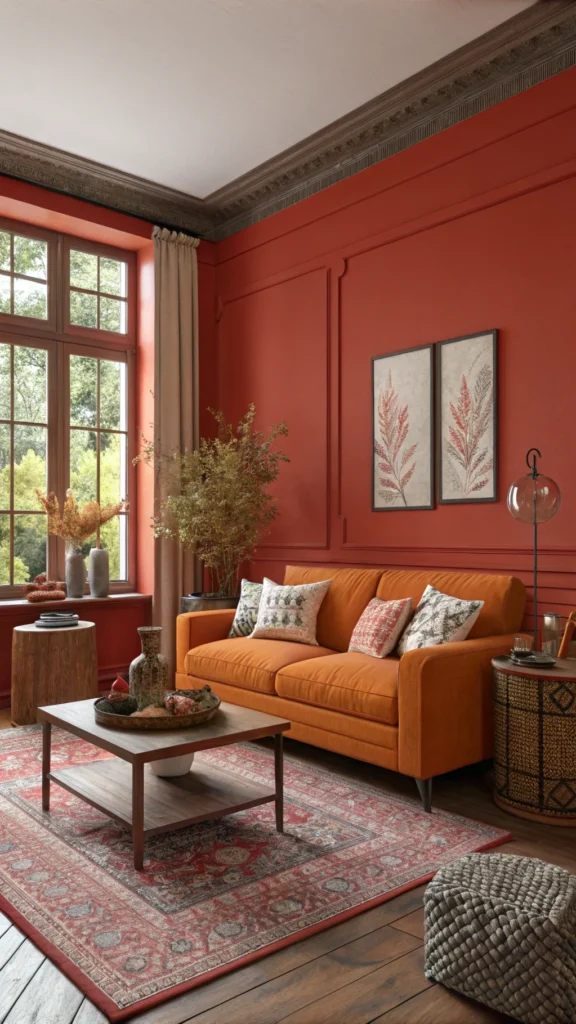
347	597
504	596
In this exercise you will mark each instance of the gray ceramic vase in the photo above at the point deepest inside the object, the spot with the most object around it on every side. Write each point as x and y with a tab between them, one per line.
148	676
99	572
75	573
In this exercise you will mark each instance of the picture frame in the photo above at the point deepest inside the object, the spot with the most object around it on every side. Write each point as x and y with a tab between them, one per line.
467	418
403	425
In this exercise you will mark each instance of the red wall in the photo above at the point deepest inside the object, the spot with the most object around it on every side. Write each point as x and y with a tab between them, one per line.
471	230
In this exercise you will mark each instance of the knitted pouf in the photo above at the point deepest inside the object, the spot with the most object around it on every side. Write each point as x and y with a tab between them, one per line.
502	930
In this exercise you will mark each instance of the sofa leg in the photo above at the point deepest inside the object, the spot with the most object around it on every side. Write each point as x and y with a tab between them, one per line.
425	790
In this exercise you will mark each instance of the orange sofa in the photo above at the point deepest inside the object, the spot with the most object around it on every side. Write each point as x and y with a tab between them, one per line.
423	714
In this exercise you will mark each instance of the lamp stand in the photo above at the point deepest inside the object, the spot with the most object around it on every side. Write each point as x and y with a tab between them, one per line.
534	499
535	588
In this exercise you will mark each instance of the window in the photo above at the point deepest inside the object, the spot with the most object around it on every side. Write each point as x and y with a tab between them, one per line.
65	396
99	446
23	276
23	461
98	292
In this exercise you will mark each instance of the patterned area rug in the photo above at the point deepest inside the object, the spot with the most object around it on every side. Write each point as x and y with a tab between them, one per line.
214	896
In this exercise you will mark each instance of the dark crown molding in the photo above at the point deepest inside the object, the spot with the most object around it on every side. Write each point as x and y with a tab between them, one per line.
523	51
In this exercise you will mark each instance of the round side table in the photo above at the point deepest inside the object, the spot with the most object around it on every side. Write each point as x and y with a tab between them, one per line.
51	666
535	740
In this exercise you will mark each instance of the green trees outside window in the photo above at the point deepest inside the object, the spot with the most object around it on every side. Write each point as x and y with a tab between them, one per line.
67	330
98	456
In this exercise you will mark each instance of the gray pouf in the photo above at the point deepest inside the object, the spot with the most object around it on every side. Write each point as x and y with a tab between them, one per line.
502	930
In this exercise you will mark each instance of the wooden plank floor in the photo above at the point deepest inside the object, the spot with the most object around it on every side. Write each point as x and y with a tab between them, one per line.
368	970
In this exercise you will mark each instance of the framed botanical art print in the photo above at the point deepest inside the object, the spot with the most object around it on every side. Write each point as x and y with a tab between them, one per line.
403	430
466	376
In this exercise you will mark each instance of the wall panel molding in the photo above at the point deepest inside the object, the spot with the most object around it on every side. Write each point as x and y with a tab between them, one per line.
278	281
527	49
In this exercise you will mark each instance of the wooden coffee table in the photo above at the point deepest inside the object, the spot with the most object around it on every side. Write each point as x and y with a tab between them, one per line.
116	785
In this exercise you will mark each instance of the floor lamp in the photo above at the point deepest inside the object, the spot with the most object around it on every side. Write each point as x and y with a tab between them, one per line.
534	499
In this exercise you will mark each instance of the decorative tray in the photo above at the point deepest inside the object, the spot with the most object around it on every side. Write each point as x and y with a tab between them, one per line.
157	722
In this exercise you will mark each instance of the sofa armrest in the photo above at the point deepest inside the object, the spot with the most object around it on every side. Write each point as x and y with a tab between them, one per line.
195	628
445	705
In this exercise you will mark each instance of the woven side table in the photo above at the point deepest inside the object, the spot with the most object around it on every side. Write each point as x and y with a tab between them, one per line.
535	740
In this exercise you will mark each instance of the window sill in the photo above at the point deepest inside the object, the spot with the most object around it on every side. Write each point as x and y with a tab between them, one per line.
9	605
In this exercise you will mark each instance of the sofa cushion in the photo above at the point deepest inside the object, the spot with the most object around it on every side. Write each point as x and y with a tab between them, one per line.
251	664
380	627
348	594
247	611
439	619
289	613
354	683
504	596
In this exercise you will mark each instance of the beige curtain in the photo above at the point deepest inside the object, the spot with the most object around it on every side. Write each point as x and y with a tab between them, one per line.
175	406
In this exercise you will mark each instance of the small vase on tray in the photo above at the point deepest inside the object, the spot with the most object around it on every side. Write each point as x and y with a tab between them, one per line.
149	671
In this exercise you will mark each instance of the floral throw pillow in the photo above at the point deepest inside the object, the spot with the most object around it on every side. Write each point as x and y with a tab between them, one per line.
380	626
439	619
247	610
289	613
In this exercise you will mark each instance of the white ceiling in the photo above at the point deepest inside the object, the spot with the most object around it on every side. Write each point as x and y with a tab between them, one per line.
193	93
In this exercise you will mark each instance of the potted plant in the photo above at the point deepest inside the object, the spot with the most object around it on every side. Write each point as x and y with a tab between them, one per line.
218	504
75	524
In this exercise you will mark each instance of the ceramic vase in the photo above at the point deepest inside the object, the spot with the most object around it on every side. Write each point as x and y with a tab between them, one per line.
99	572
171	767
148	676
75	573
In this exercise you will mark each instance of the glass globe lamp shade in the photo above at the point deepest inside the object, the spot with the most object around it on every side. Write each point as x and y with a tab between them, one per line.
534	499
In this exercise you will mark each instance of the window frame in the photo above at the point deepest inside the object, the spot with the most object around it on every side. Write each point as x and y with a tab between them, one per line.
11	590
28	231
95	334
61	340
116	586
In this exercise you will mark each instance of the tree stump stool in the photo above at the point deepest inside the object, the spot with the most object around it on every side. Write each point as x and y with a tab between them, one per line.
51	666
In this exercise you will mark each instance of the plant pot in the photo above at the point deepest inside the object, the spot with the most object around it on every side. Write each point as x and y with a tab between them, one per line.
171	767
99	572
75	574
206	602
148	675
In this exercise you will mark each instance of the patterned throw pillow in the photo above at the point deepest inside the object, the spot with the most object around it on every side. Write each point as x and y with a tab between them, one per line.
379	627
247	610
439	619
289	613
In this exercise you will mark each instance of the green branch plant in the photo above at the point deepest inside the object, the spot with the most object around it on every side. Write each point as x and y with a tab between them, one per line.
217	500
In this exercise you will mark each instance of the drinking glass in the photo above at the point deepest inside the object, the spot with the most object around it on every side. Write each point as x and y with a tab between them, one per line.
522	644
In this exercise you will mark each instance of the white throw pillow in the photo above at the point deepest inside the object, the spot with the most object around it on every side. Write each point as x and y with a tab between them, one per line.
289	613
439	619
247	610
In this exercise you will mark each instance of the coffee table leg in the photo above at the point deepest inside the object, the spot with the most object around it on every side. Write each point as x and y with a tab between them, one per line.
138	814
46	749
279	778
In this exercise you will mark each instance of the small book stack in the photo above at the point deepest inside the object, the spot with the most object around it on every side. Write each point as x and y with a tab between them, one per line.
56	620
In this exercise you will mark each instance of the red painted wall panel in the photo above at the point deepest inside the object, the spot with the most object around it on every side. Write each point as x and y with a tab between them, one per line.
273	346
473	229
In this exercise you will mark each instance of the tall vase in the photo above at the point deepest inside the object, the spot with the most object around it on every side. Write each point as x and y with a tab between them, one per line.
75	573
149	671
99	572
